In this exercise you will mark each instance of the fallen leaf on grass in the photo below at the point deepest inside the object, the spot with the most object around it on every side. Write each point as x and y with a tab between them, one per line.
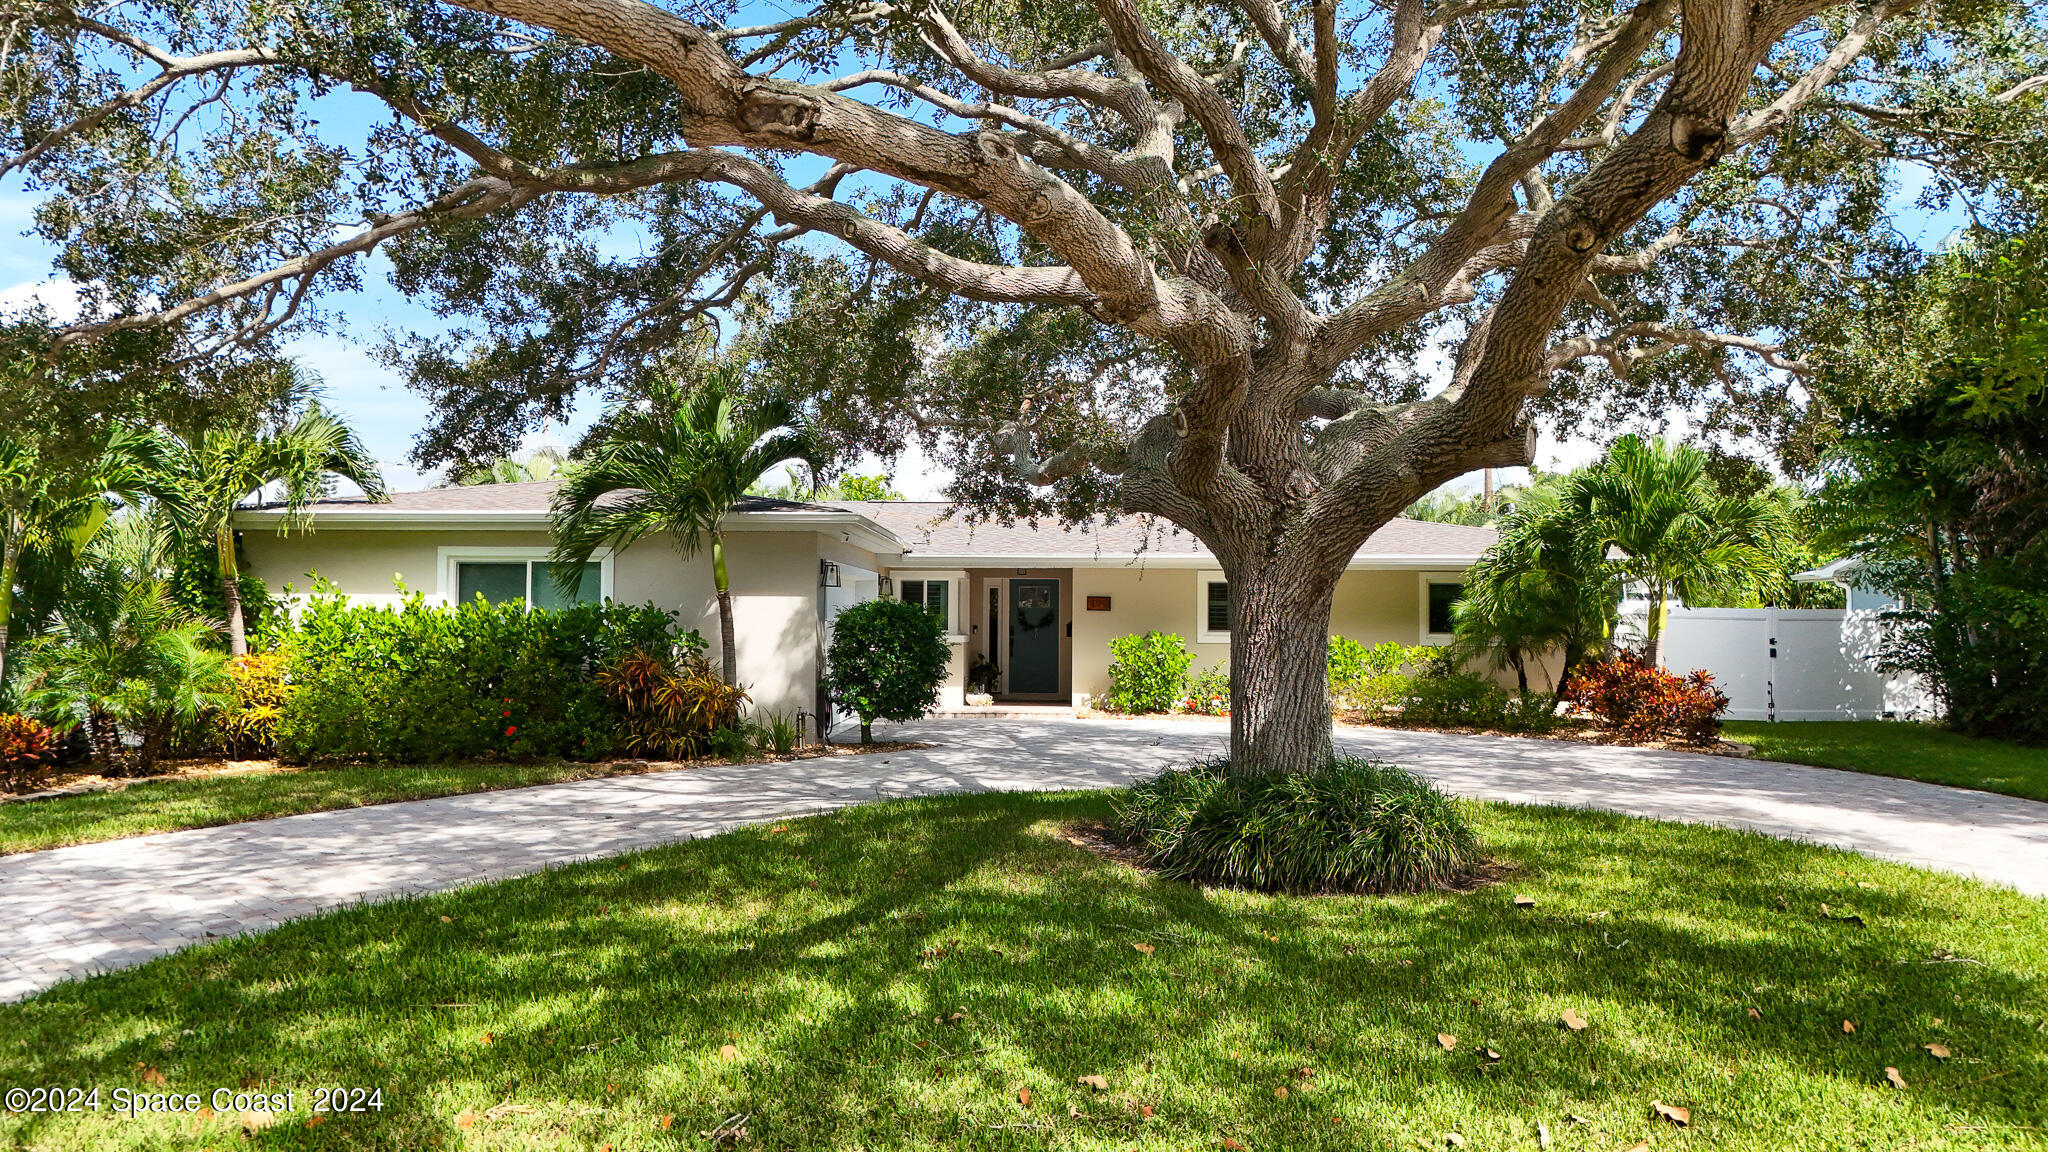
484	1039
1755	1015
1848	1026
465	1119
1489	1053
1073	1113
1147	949
1640	1146
1024	1096
1230	1145
1938	1051
728	1052
1525	901
1095	1082
152	1076
1572	1020
1671	1112
1446	1041
316	1120
1542	1134
1454	1140
1897	1081
666	1120
1280	1093
1145	1110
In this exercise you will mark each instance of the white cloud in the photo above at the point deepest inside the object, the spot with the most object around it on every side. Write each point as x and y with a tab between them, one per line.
58	297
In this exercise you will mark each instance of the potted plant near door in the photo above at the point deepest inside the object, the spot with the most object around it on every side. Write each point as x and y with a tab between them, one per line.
982	680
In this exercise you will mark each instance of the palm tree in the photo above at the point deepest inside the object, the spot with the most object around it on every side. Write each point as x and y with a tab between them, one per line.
1679	535
122	653
540	464
215	468
1544	584
678	464
51	512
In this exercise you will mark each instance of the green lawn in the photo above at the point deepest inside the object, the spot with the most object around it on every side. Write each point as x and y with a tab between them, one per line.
205	801
586	1007
1912	751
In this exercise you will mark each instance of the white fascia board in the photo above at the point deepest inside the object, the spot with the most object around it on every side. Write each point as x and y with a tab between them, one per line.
858	529
1192	560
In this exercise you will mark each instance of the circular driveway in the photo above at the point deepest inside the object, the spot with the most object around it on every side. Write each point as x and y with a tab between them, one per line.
74	911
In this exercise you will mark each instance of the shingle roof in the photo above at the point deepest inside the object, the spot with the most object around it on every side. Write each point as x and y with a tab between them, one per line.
924	527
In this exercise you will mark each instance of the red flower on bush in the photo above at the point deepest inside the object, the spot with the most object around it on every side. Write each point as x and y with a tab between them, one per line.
512	729
1643	702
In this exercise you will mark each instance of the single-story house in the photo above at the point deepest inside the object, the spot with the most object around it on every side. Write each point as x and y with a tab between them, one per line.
1040	603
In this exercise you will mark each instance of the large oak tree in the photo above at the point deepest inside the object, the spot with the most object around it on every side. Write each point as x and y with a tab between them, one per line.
1191	261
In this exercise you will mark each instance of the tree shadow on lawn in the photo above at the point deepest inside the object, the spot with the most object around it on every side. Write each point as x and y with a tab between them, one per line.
588	1003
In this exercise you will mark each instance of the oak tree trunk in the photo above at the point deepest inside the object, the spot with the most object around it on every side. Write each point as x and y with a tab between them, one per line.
1280	666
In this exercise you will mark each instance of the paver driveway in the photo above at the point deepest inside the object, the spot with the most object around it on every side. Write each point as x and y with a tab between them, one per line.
72	911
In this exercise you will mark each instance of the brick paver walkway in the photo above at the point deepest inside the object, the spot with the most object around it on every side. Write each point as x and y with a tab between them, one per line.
73	911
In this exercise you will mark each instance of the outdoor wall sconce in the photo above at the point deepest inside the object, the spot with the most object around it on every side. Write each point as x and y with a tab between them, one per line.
888	587
828	574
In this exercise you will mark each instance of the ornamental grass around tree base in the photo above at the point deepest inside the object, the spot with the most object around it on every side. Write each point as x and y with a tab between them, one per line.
1353	826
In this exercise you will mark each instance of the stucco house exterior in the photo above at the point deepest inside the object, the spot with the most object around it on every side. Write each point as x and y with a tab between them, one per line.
1041	603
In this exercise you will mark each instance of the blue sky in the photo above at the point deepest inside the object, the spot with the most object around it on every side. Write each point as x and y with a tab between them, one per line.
388	415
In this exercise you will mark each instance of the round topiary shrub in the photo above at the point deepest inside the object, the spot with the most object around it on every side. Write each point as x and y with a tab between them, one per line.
886	662
1355	826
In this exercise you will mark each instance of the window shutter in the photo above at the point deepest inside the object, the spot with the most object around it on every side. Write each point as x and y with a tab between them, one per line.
1219	606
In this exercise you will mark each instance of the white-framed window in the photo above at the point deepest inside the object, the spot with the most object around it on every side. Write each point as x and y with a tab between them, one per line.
940	592
1212	608
504	574
1440	590
935	595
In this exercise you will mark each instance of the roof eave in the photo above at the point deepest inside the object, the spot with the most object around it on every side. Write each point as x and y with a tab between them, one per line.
858	529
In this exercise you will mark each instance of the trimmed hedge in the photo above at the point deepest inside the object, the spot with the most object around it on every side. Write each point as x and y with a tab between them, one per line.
476	681
1147	673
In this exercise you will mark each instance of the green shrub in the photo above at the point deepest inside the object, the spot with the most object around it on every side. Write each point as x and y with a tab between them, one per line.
1643	702
1371	679
777	733
1374	696
1147	673
422	682
886	662
1354	826
1209	691
1461	699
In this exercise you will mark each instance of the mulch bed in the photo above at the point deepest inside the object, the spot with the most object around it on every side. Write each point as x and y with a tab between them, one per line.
79	781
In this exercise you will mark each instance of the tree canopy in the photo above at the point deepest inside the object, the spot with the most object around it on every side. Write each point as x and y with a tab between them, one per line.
1196	261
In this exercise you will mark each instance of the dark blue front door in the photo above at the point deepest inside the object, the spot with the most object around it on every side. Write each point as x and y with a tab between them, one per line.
1034	637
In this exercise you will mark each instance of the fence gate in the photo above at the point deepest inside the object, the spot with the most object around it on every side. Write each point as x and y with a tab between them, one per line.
1789	663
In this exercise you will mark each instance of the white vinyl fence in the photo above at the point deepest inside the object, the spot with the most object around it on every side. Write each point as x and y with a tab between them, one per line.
1788	663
